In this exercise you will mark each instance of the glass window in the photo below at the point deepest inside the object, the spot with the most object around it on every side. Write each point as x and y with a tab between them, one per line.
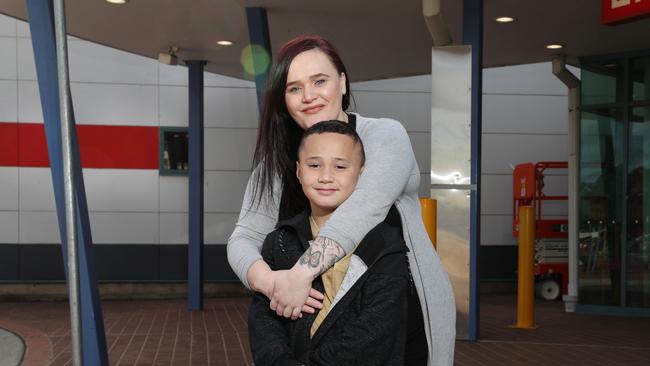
602	83
174	151
638	243
640	78
601	207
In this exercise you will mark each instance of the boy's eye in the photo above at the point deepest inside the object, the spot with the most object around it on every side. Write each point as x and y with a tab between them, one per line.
312	165
341	167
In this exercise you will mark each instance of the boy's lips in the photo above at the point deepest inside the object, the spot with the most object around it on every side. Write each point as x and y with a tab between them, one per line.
326	191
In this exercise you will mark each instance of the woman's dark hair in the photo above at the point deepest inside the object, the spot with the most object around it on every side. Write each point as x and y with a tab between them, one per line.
279	135
334	126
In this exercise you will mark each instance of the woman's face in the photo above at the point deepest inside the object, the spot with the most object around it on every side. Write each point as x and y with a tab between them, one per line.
314	89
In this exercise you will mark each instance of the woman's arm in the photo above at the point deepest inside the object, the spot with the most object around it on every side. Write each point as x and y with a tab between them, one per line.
245	244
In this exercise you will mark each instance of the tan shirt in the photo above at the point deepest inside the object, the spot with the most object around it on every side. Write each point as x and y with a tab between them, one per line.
332	279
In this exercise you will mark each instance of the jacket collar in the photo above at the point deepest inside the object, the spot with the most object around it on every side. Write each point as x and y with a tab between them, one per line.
300	224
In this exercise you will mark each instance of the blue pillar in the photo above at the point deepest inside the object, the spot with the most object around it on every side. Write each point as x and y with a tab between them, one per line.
473	35
195	247
41	22
258	30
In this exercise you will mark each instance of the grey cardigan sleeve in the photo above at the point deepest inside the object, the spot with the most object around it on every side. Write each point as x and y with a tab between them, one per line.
254	223
389	164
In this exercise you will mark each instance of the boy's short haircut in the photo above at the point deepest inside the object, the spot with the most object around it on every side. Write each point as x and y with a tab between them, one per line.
334	126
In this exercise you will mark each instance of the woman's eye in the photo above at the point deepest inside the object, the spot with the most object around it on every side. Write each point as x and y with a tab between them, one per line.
312	165
293	90
320	81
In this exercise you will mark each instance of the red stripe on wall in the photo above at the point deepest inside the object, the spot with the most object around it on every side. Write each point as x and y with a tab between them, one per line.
108	147
8	144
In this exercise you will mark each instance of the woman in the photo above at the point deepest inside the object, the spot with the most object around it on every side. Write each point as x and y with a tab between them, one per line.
309	84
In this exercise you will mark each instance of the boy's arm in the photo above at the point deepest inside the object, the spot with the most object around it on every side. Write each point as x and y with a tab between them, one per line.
377	334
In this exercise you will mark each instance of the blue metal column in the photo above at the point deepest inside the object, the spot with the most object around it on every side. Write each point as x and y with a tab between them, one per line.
195	248
473	35
258	31
41	21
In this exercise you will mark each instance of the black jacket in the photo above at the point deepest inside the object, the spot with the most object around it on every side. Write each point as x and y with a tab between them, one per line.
368	324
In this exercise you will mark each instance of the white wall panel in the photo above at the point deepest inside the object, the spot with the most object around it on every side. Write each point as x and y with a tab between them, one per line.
8	101
174	193
172	74
178	75
497	230
173	228
36	191
173	106
7	26
218	227
29	102
527	114
124	227
413	110
212	79
496	197
523	79
421	141
134	105
224	191
96	63
420	83
8	67
8	227
502	151
26	66
132	190
8	188
230	108
39	227
229	149
22	29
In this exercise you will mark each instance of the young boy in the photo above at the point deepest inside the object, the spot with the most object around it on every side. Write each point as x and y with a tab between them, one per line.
368	294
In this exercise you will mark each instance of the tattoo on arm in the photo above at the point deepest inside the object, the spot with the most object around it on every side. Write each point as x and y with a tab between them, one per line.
322	254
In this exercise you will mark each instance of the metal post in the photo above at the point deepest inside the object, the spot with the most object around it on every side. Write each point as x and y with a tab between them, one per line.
41	22
473	36
573	83
525	275
195	247
258	30
69	182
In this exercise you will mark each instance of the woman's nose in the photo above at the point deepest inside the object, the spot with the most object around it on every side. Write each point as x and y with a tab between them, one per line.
308	94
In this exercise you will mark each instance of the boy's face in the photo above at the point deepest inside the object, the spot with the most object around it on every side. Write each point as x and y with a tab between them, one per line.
329	165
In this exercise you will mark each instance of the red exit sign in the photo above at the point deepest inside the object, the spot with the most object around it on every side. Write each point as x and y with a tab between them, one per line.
617	11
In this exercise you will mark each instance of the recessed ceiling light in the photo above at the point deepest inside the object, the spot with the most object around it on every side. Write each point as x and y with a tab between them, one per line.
224	43
504	19
554	46
117	1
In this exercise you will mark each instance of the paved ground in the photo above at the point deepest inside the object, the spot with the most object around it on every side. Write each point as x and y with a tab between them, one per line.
11	348
165	333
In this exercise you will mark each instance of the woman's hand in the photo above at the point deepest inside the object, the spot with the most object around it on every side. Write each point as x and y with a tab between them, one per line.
291	291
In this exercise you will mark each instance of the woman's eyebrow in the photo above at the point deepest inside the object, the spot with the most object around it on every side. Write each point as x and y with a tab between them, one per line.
315	76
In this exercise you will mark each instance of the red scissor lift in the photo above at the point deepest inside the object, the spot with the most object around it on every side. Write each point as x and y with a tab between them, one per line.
551	234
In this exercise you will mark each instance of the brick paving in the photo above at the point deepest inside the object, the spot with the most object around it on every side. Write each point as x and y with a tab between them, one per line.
163	332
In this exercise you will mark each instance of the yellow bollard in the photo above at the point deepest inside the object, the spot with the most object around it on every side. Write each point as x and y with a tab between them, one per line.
526	277
430	218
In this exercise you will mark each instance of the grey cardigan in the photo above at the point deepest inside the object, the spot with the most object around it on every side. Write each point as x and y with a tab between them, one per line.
391	175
